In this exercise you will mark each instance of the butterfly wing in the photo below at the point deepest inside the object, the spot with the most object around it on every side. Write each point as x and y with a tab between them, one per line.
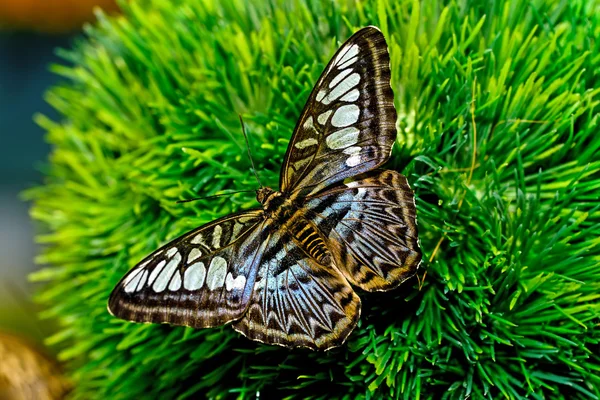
298	302
348	124
371	225
201	279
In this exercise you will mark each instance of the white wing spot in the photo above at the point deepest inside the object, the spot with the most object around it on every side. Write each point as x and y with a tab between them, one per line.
348	63
198	239
354	153
306	143
345	115
132	282
175	282
350	53
171	252
321	94
156	271
216	239
238	283
351	96
142	281
194	276
165	276
343	138
339	77
134	272
216	273
195	253
342	88
308	124
322	119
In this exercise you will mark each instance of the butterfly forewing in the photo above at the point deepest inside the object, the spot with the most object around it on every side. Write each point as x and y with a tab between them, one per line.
348	124
370	222
201	279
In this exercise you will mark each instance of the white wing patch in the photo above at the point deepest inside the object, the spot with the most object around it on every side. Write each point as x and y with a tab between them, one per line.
171	252
238	283
343	138
309	123
198	239
348	63
132	282
194	276
353	95
306	143
175	282
343	58
194	254
216	273
322	118
237	227
343	87
216	237
339	77
319	97
165	276
156	271
354	153
345	116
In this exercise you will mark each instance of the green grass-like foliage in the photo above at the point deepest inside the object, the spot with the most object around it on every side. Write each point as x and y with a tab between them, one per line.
498	135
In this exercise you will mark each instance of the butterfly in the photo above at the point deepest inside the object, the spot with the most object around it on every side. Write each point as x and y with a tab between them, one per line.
284	273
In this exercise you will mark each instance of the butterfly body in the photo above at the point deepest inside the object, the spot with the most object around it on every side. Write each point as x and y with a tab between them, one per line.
281	212
283	274
276	205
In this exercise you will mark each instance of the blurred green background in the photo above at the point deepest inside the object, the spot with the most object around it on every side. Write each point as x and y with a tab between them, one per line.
24	76
30	33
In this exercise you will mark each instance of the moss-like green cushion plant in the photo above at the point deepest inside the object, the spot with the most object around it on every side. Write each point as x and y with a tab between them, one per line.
498	134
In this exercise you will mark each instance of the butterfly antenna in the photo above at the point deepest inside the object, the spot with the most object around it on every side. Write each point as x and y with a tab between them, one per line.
214	195
248	148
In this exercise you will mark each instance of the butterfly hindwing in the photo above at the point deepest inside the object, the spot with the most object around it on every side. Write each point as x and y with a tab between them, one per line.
348	123
371	225
298	301
201	279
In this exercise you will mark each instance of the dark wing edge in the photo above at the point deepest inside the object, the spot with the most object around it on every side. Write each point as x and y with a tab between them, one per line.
201	279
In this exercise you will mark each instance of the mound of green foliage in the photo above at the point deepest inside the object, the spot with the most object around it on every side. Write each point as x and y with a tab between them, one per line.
498	135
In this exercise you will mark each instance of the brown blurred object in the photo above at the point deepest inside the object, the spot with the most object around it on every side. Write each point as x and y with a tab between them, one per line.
50	15
26	373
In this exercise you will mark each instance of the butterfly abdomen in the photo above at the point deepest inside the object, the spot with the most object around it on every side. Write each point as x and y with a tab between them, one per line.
307	237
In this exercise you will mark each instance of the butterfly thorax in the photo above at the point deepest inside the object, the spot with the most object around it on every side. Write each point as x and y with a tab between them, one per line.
287	215
275	204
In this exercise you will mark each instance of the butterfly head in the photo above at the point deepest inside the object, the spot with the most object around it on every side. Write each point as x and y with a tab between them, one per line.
273	202
263	194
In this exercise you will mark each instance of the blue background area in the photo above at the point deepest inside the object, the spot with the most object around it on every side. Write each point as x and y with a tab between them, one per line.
24	77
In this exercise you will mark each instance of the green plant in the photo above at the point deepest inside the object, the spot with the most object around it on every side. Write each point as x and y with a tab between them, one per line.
498	119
